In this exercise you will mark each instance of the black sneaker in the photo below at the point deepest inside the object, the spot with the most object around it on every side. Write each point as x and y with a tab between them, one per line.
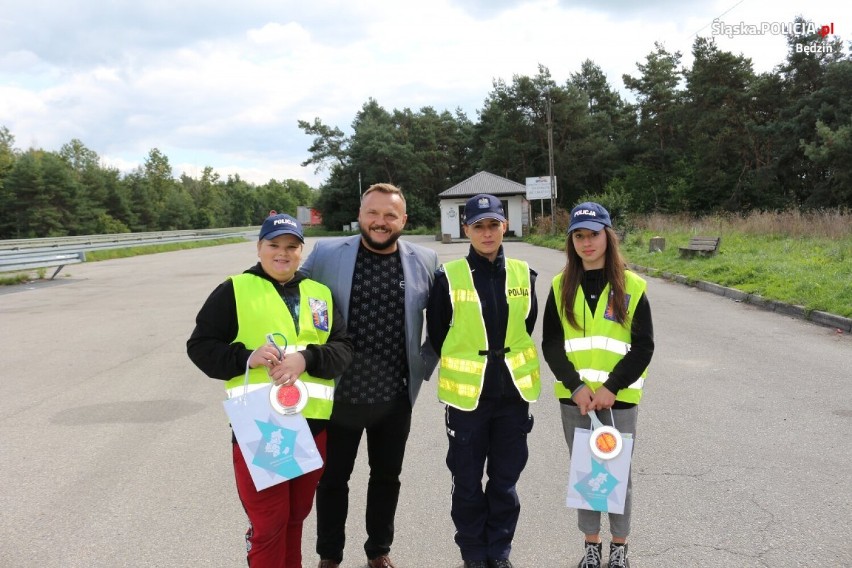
592	556
501	563
475	564
618	556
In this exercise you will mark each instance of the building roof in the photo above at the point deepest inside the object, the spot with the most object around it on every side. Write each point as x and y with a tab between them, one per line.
484	182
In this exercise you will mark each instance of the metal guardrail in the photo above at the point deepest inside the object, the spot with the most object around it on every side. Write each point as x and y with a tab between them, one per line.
118	238
32	261
29	254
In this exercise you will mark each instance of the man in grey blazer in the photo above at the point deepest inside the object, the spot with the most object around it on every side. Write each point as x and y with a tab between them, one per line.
382	287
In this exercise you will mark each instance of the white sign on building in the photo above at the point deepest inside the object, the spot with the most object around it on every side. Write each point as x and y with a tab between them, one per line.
539	187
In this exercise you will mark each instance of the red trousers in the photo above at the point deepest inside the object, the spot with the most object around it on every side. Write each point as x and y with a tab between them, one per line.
276	514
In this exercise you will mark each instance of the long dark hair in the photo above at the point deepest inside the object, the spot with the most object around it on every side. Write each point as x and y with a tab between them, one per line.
572	276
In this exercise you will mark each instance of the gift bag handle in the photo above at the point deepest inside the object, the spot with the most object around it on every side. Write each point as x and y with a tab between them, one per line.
596	422
270	338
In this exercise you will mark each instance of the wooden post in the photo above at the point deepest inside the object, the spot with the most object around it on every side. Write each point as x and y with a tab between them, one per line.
657	244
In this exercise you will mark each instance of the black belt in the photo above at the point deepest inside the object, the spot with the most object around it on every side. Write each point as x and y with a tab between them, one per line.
495	352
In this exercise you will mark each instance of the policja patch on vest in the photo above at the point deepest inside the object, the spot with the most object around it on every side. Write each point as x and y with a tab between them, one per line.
319	311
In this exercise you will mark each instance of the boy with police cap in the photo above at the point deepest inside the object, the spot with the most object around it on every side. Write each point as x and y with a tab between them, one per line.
229	342
480	318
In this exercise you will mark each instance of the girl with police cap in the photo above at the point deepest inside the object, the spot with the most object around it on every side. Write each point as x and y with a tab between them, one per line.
598	341
230	336
480	318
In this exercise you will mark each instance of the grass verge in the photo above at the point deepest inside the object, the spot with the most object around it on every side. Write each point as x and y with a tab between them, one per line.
17	278
812	272
109	254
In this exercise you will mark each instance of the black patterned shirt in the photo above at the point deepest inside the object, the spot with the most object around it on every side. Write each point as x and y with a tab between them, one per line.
376	324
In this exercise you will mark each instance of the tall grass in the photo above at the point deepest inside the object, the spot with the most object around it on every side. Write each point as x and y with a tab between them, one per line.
831	224
798	258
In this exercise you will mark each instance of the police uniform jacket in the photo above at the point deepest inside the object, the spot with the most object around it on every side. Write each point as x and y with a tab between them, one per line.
489	279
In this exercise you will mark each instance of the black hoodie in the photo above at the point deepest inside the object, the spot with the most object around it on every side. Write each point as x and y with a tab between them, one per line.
626	371
212	349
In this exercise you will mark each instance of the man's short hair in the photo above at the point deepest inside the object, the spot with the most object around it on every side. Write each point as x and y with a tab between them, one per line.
384	188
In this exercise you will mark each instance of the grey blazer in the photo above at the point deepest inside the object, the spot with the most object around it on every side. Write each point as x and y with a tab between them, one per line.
332	262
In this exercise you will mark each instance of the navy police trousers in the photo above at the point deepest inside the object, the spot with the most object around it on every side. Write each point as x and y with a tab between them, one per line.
492	439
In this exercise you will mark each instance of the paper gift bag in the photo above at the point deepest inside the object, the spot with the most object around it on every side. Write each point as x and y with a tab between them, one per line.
276	447
596	484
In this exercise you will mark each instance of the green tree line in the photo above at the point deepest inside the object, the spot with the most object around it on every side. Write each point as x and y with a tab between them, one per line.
714	137
52	194
710	138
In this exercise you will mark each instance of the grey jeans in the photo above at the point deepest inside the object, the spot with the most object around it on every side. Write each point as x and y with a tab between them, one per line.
589	522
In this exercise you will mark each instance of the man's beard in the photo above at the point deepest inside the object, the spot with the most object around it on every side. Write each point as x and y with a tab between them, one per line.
392	238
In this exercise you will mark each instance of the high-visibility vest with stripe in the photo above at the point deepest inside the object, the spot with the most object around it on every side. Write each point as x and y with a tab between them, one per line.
596	348
260	311
464	352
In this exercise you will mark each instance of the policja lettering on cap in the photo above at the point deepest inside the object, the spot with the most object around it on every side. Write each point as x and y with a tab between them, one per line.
589	215
280	224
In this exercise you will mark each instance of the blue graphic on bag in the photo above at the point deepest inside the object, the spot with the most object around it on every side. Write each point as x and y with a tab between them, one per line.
276	451
596	486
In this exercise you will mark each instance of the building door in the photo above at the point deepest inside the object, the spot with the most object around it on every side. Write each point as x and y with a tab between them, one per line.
505	204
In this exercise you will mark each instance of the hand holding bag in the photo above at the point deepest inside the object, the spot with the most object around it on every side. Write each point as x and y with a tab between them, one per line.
277	446
600	467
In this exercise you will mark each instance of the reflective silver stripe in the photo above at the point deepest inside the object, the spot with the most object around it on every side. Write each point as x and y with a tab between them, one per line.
238	391
597	342
314	390
462	365
593	375
243	388
320	391
601	377
522	358
465	296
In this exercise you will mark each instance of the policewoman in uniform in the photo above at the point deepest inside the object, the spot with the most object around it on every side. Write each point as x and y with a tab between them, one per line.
479	318
230	335
598	340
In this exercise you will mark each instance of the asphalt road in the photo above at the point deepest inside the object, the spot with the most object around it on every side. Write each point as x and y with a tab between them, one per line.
115	448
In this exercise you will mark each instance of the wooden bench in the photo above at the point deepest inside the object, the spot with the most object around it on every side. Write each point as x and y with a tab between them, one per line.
16	261
701	246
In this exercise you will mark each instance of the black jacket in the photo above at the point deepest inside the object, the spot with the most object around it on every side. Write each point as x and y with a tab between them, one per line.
212	349
489	279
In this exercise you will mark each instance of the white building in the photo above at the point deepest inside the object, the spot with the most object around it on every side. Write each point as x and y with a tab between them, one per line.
512	194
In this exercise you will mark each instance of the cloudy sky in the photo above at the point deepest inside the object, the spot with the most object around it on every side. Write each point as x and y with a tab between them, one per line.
223	83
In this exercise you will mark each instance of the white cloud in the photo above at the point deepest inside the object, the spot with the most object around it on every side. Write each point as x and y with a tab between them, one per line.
277	35
223	84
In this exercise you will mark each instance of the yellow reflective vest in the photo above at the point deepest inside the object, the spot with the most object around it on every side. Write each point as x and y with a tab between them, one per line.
462	370
260	310
595	349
